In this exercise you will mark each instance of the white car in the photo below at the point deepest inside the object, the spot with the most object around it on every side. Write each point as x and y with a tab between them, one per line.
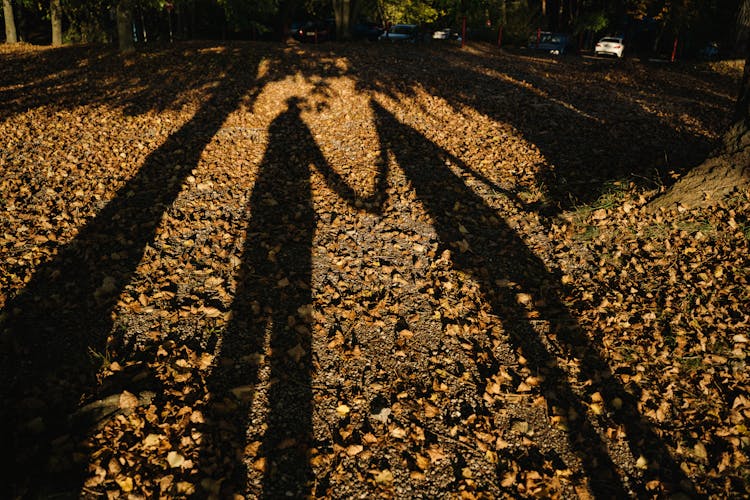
610	45
446	34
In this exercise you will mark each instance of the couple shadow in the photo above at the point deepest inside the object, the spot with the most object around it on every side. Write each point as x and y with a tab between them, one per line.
268	341
67	306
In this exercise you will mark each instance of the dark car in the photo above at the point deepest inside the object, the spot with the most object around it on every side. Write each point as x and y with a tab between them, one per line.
710	51
401	33
552	43
367	31
314	32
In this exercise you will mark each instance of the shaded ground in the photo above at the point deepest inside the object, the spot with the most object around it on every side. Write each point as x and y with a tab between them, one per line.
366	271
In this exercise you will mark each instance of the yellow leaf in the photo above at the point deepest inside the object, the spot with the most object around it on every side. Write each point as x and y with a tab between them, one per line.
398	433
343	410
252	448
185	488
524	299
523	387
354	449
509	479
205	361
128	400
175	459
260	465
125	484
422	461
211	312
151	441
436	453
431	410
384	477
98	478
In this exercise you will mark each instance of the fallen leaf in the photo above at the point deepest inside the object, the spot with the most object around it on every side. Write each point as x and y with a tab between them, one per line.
128	401
174	459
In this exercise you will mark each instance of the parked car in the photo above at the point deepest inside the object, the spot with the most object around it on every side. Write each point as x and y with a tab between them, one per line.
294	28
401	33
446	34
610	46
367	30
314	31
552	43
710	51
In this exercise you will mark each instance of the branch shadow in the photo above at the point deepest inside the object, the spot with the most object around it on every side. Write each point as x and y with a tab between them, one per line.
63	317
496	255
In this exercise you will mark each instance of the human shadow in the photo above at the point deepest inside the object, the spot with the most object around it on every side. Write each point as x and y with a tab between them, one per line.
272	320
497	255
64	314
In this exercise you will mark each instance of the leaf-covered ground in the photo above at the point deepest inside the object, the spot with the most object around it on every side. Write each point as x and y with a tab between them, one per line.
366	271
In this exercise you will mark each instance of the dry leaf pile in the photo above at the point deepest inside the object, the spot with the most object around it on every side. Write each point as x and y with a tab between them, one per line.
357	271
666	293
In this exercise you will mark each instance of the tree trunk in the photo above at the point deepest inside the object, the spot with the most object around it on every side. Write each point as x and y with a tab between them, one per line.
726	170
10	23
125	27
55	12
342	11
742	28
742	111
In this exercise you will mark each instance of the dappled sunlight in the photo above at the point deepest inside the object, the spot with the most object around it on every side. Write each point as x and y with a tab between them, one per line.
342	124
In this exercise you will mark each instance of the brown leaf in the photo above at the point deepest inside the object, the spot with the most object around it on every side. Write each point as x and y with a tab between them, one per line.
128	401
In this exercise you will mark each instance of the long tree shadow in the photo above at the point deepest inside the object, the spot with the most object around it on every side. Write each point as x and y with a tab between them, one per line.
497	255
586	142
271	319
155	79
64	314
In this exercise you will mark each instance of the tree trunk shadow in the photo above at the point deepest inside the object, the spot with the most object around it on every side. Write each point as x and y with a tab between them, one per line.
496	254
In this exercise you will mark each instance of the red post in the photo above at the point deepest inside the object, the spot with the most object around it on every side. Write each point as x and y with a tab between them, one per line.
463	32
674	50
538	36
500	36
